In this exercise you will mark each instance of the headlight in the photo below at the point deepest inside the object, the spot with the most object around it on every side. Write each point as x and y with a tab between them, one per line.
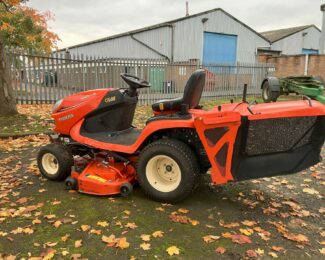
56	105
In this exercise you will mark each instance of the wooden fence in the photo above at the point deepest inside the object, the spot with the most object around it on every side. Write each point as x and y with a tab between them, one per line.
46	78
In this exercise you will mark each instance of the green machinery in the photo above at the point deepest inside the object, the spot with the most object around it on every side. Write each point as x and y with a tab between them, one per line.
308	86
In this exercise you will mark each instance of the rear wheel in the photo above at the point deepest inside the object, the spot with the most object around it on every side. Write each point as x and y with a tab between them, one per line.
167	170
267	94
55	162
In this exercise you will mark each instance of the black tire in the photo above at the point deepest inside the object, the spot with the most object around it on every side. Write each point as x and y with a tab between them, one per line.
187	168
71	183
126	189
267	94
55	162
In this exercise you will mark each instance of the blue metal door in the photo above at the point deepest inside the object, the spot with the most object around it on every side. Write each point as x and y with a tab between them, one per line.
309	51
219	48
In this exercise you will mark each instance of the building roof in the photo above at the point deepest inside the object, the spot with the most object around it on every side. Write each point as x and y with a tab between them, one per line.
164	24
276	35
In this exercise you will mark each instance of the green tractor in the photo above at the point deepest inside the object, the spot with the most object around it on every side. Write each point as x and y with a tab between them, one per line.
308	86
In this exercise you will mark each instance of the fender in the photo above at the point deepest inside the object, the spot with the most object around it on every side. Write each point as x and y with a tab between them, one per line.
151	128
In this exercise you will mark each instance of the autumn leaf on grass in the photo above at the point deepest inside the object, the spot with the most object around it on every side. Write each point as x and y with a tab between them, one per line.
127	212
194	222
182	210
145	237
179	218
297	238
158	233
36	221
210	238
274	255
246	231
145	246
251	253
277	248
65	238
131	225
110	240
122	243
310	191
85	227
57	223
78	243
248	223
51	216
229	225
220	250
172	250
241	239
103	223
95	231
160	209
322	251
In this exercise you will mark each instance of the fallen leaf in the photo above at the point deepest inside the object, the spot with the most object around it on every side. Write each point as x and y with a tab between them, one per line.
65	238
145	246
109	239
78	243
145	237
51	216
241	239
274	255
259	251
158	233
248	223
127	212
182	210
251	253
277	248
131	225
57	223
322	251
85	227
194	222
172	250
103	223
246	231
122	243
210	238
220	250
36	221
160	209
310	191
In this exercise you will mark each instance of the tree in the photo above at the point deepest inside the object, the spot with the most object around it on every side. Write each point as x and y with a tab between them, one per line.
24	27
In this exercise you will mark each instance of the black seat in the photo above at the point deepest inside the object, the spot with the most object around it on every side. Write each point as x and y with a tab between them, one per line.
191	97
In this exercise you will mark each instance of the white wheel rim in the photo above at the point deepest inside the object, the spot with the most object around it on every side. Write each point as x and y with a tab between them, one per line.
50	164
266	93
163	173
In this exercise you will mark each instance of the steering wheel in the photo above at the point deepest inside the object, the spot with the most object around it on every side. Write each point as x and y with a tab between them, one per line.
135	82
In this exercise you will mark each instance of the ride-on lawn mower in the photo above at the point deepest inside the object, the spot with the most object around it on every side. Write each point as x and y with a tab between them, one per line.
98	151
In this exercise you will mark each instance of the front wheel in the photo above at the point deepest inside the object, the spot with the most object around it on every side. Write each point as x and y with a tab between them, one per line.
167	170
55	162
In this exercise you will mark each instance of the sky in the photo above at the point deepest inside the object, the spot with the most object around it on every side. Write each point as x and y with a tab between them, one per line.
79	21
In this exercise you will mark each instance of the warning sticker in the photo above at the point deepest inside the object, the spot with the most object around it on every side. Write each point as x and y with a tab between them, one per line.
97	178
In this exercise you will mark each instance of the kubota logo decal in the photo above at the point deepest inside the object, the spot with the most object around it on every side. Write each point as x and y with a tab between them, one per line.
67	117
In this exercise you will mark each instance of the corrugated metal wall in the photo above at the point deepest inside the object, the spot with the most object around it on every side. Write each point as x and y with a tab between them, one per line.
188	40
189	36
294	44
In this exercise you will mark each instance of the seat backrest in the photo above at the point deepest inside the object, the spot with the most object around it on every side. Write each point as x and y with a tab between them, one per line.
194	88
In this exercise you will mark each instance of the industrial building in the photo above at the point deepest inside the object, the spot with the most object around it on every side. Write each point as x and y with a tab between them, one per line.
210	37
295	40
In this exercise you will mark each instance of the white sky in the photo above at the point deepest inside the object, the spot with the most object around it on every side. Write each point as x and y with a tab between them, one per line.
78	21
